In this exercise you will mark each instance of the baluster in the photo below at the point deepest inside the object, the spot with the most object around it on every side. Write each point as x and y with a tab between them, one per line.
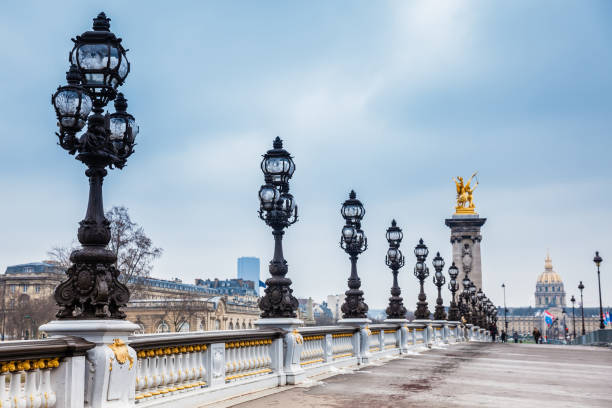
268	353
184	358
229	358
4	397
190	365
15	392
200	363
32	394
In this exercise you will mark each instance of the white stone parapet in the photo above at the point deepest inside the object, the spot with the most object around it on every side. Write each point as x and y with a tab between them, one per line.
114	369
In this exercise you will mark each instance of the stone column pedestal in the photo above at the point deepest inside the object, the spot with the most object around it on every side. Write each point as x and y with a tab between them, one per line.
110	367
361	343
403	331
429	332
292	343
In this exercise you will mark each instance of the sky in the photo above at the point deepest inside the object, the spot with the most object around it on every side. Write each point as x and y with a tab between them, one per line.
390	98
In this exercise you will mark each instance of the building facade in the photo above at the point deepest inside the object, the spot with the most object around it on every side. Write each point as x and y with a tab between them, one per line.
157	305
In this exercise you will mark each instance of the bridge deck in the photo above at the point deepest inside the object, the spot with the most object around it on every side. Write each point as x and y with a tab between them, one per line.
466	375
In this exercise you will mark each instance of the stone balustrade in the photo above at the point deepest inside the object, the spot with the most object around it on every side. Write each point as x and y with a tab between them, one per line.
195	368
43	373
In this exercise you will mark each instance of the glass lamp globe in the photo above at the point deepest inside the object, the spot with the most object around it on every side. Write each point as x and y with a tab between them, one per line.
72	104
277	164
286	202
100	58
122	125
421	250
453	271
394	255
438	262
268	196
394	234
352	209
359	237
348	232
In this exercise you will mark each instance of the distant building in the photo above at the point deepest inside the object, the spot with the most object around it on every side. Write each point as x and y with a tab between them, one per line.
334	303
549	296
248	270
229	287
549	288
157	305
36	280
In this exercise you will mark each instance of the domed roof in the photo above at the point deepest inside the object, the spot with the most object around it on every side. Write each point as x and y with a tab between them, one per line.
549	276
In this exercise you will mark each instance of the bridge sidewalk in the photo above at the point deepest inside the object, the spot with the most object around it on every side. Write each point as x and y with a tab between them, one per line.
465	375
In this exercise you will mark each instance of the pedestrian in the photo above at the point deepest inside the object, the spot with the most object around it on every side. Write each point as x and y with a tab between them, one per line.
493	330
503	336
536	335
515	336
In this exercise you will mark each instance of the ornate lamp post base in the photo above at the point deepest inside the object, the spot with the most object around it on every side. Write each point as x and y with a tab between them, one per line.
112	355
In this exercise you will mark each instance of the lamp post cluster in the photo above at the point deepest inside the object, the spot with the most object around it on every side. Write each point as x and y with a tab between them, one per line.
98	66
475	307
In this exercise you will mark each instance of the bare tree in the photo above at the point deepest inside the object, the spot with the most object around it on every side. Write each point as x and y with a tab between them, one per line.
134	250
182	309
25	315
61	255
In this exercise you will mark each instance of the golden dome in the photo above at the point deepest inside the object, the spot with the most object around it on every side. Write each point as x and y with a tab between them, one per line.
549	276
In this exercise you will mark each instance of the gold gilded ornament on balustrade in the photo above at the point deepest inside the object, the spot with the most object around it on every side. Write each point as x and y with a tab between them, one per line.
465	200
122	354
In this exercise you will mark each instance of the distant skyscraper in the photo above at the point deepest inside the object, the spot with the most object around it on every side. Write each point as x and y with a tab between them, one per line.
248	270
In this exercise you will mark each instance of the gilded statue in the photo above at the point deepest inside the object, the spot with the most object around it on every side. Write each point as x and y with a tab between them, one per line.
465	201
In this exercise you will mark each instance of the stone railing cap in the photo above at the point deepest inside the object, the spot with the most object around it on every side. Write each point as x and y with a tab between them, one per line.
67	346
141	341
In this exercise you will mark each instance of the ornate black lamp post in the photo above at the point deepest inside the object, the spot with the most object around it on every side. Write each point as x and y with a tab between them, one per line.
473	300
421	271
465	299
439	280
505	309
98	67
354	242
479	306
573	300
453	310
597	261
279	211
581	287
395	260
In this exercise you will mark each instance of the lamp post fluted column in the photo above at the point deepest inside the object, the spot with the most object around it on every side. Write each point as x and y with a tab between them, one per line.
354	242
597	259
395	260
581	288
278	210
421	271
439	280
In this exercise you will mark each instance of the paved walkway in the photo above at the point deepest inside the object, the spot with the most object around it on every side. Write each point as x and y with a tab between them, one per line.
466	375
